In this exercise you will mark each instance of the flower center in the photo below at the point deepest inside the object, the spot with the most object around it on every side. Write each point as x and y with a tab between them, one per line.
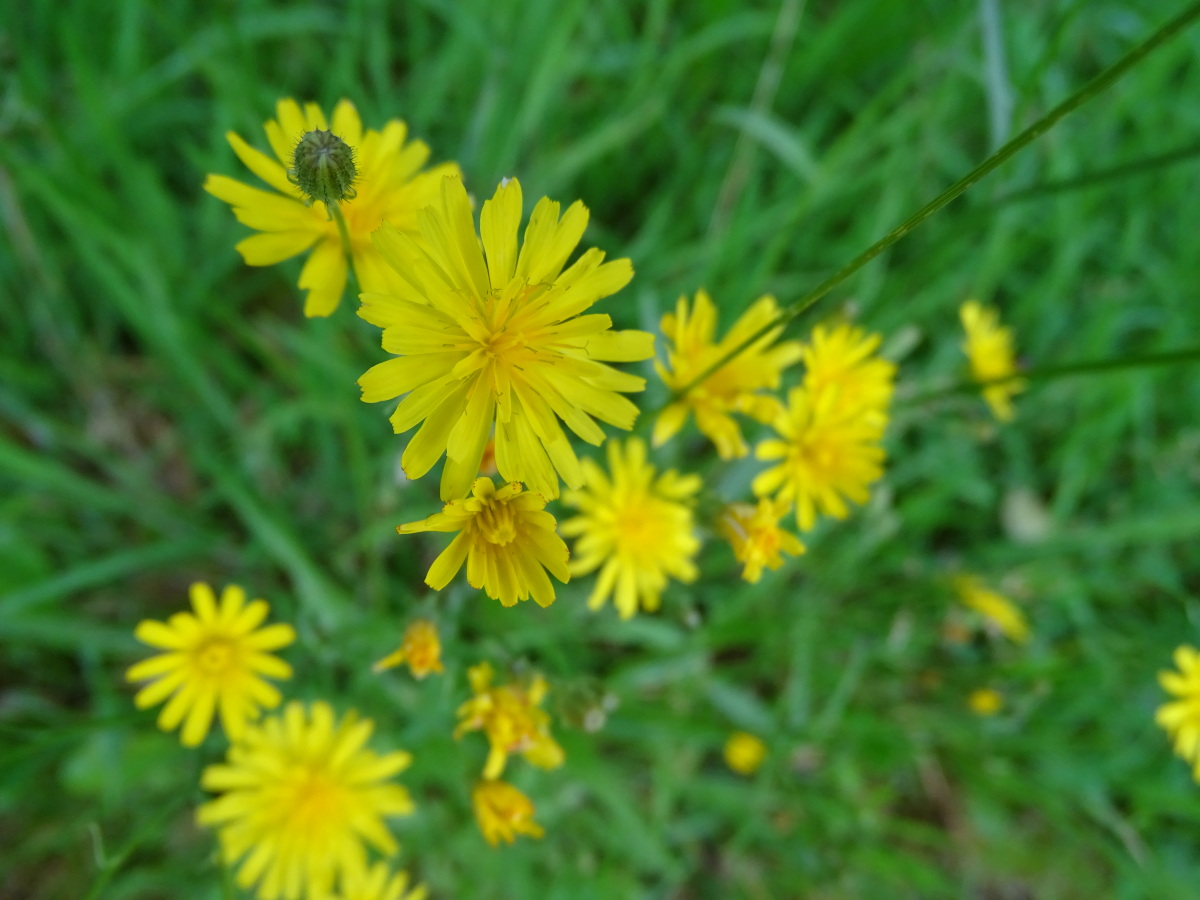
215	656
497	523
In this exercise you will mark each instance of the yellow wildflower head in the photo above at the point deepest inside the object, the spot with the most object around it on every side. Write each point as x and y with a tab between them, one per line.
213	662
989	348
495	335
744	752
636	528
512	718
420	648
736	387
378	883
842	359
1180	716
827	453
985	701
388	185
507	540
503	812
301	797
998	610
758	541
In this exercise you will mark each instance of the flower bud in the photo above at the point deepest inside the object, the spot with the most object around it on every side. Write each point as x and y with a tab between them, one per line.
323	168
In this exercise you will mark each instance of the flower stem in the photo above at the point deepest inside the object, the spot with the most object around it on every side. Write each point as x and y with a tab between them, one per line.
1001	156
335	212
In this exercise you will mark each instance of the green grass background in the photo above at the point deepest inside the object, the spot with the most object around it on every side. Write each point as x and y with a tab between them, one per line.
168	415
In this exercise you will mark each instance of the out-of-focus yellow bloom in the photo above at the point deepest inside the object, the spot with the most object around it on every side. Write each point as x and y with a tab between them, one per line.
758	541
214	662
996	608
512	718
842	359
420	648
389	187
1180	717
379	883
503	812
636	528
301	797
744	752
989	348
494	334
985	701
507	540
736	387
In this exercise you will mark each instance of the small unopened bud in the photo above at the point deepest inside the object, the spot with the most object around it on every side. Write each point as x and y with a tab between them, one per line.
323	168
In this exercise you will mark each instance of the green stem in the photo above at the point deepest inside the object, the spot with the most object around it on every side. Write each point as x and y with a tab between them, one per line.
1001	156
335	210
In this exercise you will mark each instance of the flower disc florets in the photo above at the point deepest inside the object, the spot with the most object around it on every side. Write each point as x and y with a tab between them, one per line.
323	167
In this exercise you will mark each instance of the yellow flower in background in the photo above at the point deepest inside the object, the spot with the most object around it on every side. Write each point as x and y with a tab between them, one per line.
507	540
841	359
214	662
378	883
996	608
420	648
989	348
985	701
511	717
500	340
636	528
758	541
828	453
301	798
734	388
744	752
503	812
389	187
1180	717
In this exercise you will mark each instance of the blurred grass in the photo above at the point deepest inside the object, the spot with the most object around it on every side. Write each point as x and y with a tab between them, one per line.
167	415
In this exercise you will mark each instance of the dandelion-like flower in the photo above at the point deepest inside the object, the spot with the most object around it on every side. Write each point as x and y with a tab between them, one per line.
636	528
511	717
214	662
388	186
842	359
420	649
501	341
828	453
1180	717
744	752
736	387
301	798
985	701
507	540
503	812
997	609
757	540
379	883
989	348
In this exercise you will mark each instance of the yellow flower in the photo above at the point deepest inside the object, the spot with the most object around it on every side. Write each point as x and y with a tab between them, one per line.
213	662
989	347
301	796
841	359
1180	717
997	609
390	187
744	753
985	701
500	341
635	528
503	812
512	718
757	539
736	386
419	647
505	537
828	453
378	883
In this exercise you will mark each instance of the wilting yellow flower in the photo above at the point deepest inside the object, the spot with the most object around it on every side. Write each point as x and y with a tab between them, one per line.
996	608
420	648
512	718
744	752
213	662
503	812
989	348
301	797
500	341
736	387
378	883
1180	717
828	453
635	528
505	537
842	359
758	541
985	701
390	187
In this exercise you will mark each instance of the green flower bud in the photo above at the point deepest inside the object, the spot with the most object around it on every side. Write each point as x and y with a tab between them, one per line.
323	168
